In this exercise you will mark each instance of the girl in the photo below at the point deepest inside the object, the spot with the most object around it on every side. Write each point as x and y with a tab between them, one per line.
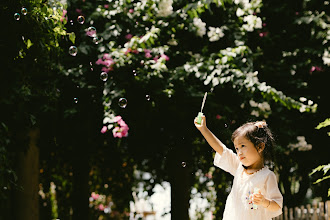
254	194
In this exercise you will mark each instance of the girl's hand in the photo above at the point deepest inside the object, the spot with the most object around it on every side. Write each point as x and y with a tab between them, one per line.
259	199
201	126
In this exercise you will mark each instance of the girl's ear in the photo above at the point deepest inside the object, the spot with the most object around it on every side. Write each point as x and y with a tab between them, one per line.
261	147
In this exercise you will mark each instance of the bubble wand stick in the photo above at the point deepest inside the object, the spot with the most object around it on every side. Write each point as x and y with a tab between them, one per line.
200	114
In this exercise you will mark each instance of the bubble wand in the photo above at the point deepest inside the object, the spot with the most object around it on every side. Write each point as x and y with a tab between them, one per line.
200	114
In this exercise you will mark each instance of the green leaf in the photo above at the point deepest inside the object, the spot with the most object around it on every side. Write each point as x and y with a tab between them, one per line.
28	43
319	168
324	124
72	37
320	180
60	31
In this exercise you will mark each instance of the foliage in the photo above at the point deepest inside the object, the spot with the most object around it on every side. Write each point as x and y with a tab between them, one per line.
29	74
324	168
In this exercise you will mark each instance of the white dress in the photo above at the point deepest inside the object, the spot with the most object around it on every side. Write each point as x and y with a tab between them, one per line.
238	205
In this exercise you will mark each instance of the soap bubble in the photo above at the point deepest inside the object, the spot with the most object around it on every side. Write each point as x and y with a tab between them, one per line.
122	102
24	11
226	126
104	76
75	100
183	164
81	19
96	40
134	72
17	16
148	97
71	22
91	32
73	50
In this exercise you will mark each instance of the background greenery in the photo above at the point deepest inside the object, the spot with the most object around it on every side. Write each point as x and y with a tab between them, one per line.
257	61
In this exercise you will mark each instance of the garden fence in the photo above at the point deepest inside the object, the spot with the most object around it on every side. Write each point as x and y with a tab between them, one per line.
317	211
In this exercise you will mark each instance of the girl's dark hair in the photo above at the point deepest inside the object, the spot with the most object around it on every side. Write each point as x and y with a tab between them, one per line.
257	132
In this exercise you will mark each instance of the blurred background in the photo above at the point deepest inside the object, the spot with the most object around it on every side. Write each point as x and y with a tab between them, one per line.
98	98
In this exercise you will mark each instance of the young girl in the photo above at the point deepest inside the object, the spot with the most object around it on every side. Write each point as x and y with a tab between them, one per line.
254	194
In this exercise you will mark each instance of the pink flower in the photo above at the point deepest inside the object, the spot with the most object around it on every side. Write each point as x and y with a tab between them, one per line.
131	11
165	57
64	12
117	118
128	36
263	34
121	130
315	68
91	33
156	58
101	207
107	62
106	56
99	61
128	51
117	132
95	196
122	123
104	129
106	6
218	116
147	53
106	69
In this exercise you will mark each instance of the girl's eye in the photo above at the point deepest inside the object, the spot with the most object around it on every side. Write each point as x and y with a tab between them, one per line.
243	145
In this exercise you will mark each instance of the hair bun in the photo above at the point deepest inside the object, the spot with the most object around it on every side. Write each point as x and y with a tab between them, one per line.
260	124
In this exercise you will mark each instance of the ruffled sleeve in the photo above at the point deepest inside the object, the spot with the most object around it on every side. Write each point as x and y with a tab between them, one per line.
273	193
228	161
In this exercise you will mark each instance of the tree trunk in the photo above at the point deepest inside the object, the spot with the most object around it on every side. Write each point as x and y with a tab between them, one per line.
26	201
80	165
179	171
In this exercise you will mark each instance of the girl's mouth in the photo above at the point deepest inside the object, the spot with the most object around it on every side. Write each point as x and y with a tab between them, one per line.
241	158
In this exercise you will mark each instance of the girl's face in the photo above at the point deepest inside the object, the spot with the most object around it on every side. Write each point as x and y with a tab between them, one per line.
247	153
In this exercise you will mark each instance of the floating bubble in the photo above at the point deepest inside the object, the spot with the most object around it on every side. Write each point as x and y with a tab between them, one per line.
104	76
17	16
96	40
81	19
75	100
91	32
122	102
226	126
24	11
148	97
71	22
134	72
73	50
183	164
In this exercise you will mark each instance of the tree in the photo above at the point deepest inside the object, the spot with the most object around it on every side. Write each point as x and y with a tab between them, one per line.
28	93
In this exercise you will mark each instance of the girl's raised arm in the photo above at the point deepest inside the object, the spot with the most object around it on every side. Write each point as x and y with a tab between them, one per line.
213	141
